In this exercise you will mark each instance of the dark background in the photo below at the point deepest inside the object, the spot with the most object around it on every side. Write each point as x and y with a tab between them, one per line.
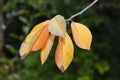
17	18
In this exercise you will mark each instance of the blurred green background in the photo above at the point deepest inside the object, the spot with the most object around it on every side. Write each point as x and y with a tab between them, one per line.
17	18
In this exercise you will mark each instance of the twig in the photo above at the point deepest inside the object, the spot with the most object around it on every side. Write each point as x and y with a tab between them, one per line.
79	13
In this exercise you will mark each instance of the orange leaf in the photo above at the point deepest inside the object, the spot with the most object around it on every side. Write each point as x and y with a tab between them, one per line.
64	52
41	40
46	50
31	38
82	35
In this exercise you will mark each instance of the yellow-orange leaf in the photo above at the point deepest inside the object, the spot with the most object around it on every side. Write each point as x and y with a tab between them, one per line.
46	49
82	35
64	52
41	40
57	26
40	25
31	38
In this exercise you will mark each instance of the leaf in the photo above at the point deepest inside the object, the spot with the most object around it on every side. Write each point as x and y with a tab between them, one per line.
82	35
57	26
23	19
46	50
31	38
102	67
40	25
64	52
41	40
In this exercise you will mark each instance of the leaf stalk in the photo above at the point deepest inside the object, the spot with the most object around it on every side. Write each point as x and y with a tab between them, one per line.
82	11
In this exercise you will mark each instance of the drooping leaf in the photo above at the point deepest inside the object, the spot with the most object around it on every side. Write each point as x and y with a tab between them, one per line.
41	40
57	26
31	38
82	35
46	49
64	52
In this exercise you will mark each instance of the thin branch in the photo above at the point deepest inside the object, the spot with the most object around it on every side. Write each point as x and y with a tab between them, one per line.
79	13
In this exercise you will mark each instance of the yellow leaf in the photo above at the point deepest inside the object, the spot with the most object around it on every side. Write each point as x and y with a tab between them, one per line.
46	49
82	35
31	38
57	26
64	52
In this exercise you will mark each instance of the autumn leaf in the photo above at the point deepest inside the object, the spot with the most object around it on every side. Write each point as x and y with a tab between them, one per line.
41	40
57	26
82	35
31	38
64	52
46	49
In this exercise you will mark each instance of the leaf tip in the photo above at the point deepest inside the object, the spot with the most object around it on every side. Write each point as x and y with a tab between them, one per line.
85	48
89	49
62	69
42	62
23	56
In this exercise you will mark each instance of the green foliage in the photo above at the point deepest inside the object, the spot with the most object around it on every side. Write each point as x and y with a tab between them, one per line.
102	67
101	63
